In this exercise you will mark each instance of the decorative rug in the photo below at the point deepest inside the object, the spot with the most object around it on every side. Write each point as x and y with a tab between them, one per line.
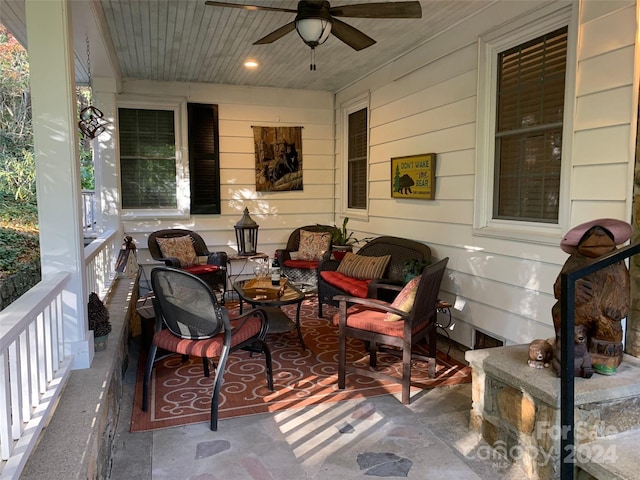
180	394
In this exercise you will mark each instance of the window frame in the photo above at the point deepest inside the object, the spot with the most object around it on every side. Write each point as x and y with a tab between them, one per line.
489	46
352	106
183	200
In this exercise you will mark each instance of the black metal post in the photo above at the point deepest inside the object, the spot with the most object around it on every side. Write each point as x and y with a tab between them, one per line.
567	377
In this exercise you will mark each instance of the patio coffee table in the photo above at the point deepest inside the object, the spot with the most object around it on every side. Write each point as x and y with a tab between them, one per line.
262	294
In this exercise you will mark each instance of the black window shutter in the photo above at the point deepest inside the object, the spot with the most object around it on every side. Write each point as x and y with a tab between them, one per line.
204	158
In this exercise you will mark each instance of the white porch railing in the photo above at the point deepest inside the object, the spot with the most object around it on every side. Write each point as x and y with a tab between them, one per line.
33	369
88	212
99	261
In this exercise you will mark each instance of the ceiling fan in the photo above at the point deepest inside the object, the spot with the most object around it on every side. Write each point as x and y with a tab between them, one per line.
315	20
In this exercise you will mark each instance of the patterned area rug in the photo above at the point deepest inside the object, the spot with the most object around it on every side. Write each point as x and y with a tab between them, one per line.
180	394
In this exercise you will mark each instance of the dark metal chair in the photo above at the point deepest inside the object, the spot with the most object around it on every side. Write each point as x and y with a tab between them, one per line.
196	325
366	319
214	272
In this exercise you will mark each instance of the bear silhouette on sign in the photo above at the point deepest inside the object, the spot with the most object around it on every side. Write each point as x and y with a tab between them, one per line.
406	182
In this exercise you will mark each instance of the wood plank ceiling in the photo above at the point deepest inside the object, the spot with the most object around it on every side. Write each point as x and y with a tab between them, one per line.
188	41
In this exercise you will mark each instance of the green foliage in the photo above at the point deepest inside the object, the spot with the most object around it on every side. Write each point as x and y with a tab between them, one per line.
21	215
17	159
16	250
342	237
413	267
19	241
18	175
86	168
17	166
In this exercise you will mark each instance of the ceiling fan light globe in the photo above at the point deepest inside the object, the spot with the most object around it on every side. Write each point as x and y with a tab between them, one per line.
313	31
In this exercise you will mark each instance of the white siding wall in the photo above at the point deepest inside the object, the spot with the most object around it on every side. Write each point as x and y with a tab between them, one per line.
426	102
277	213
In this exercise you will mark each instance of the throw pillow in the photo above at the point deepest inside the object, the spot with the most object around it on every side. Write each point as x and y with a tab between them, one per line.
363	267
404	300
313	245
180	248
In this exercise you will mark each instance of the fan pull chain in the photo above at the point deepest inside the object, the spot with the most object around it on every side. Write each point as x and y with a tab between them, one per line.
312	66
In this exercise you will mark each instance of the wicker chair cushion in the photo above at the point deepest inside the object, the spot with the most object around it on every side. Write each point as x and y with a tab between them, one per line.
302	264
363	267
201	269
180	248
349	285
405	299
364	318
313	245
208	348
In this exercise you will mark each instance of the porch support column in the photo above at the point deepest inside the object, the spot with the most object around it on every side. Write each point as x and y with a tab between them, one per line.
49	33
105	158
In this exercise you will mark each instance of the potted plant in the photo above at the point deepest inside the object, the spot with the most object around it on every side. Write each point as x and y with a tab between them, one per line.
342	241
98	321
413	267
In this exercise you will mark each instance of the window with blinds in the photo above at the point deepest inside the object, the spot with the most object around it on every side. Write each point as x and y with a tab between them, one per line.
148	162
147	158
357	160
530	108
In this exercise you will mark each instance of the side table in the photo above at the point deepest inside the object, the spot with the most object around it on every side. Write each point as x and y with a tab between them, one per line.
445	308
144	307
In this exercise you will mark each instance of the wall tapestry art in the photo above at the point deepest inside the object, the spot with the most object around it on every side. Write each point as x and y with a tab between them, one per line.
414	176
278	158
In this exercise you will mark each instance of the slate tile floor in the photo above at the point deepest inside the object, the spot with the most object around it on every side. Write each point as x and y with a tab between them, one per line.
377	437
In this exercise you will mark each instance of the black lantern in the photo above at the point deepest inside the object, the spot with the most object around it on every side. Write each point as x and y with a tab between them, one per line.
246	235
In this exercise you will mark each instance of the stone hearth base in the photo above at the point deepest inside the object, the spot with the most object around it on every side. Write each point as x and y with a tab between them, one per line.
517	409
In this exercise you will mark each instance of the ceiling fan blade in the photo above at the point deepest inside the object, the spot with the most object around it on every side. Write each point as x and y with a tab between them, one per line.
379	10
276	34
249	7
350	35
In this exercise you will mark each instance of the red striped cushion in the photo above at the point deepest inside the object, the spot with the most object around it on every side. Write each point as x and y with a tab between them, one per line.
209	348
363	267
358	316
302	264
352	286
200	269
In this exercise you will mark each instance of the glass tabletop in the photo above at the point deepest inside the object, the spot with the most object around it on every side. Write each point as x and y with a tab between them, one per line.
262	292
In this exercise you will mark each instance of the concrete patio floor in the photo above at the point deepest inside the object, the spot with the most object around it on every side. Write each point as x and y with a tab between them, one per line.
377	437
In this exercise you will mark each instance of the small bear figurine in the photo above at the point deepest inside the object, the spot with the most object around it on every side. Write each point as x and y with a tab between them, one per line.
582	358
540	353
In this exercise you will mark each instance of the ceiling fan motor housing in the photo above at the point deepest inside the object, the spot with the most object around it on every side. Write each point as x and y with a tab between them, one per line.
313	10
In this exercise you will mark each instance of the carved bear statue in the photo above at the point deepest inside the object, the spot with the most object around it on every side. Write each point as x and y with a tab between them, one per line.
582	358
602	298
540	353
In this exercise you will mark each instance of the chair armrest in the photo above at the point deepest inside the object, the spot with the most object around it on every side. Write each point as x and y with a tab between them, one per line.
254	312
283	256
159	319
378	284
218	258
171	262
371	303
